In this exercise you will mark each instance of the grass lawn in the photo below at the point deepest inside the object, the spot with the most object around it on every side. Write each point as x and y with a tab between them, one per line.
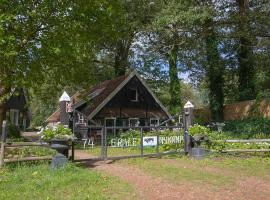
118	151
215	172
21	152
71	182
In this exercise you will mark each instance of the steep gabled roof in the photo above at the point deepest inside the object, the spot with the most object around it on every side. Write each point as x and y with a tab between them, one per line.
98	96
95	94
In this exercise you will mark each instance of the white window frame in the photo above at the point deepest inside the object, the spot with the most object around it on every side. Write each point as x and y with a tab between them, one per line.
111	118
134	118
14	118
24	123
136	95
114	122
154	119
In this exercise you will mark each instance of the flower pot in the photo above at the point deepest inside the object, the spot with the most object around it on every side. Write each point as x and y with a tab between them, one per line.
61	146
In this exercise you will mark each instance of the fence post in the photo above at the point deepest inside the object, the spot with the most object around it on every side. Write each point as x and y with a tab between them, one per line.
186	136
105	144
102	143
157	140
72	151
4	134
141	143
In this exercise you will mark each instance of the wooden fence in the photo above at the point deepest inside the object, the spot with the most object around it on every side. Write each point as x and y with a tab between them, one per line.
5	145
245	150
237	111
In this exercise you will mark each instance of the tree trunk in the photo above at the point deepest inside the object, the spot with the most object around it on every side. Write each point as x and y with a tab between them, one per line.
214	73
245	54
175	93
121	57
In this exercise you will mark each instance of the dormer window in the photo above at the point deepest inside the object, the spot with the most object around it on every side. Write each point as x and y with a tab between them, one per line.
133	95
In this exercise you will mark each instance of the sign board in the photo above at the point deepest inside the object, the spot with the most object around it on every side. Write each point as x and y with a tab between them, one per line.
147	141
150	141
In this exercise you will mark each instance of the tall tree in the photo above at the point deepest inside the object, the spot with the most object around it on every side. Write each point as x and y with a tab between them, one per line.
134	16
175	89
245	53
214	71
56	42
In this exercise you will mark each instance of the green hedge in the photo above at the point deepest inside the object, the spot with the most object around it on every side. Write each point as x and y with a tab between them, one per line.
249	127
216	139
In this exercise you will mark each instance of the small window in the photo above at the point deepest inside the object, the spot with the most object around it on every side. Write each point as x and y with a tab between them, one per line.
154	121
133	95
134	122
14	116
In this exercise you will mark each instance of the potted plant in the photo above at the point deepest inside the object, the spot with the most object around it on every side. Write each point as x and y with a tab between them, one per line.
59	137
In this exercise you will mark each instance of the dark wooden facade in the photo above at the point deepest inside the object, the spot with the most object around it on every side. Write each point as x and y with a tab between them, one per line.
123	106
124	101
17	112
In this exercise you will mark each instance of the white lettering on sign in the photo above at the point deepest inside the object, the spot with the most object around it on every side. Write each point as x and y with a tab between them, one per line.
171	139
119	142
147	141
150	141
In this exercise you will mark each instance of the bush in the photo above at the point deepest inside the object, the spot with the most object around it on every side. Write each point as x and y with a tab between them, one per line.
216	139
13	131
199	130
250	127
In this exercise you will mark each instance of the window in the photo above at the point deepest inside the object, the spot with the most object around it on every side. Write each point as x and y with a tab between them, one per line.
110	122
134	122
14	116
121	122
80	118
154	121
133	95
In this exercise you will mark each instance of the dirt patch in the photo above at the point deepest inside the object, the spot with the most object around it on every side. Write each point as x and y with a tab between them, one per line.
157	188
149	187
81	154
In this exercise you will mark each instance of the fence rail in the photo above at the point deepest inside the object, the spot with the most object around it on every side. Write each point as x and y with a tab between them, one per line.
248	141
10	160
104	145
243	150
23	144
5	145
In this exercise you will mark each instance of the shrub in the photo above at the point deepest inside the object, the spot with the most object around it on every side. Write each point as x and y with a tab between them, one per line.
13	131
249	126
199	130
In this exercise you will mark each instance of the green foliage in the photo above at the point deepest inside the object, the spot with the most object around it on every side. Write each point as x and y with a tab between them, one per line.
13	131
236	130
249	127
38	181
59	132
199	130
28	152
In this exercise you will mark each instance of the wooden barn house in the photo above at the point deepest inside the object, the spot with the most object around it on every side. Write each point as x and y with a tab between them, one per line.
17	112
123	101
